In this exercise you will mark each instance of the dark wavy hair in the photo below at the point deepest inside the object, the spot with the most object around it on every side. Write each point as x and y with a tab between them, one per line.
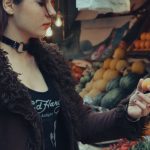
4	16
59	70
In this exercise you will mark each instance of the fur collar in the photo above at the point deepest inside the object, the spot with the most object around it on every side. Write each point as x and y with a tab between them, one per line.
14	96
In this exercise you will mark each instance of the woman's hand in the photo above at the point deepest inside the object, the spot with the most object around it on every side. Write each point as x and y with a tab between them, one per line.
139	103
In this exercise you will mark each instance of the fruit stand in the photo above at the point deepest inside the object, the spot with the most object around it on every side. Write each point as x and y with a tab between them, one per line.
110	71
115	70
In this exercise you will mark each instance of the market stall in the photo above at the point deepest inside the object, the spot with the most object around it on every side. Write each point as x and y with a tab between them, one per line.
122	63
108	52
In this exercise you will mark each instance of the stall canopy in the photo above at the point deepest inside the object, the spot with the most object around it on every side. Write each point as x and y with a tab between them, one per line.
104	6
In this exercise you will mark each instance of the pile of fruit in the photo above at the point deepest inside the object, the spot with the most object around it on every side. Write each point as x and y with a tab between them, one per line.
111	68
142	44
123	144
142	145
113	80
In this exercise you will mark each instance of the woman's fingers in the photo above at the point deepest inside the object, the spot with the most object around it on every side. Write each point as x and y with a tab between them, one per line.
140	104
144	97
139	86
143	102
143	107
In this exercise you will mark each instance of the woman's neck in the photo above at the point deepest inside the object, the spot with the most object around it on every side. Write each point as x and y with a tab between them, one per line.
15	34
17	59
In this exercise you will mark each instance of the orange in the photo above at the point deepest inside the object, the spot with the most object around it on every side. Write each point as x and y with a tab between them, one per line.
146	84
143	36
148	36
137	44
142	44
147	44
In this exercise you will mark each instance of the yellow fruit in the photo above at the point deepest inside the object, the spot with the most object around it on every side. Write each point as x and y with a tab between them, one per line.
146	84
137	44
110	74
138	67
83	93
148	36
100	85
143	36
142	44
121	65
106	63
93	93
88	86
119	53
98	74
113	63
147	44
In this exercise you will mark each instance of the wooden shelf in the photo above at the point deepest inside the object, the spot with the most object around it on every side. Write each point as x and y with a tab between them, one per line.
139	54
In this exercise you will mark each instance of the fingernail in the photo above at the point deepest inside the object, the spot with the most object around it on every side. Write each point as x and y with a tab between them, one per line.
141	94
141	79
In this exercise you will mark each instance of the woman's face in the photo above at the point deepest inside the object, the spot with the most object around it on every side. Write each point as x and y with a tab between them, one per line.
33	17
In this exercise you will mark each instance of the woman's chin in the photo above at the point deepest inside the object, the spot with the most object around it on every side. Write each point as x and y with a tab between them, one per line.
39	35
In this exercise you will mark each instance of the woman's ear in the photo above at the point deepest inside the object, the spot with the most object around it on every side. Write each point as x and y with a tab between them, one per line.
8	6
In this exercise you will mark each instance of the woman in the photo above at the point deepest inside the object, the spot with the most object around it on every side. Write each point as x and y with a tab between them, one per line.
39	109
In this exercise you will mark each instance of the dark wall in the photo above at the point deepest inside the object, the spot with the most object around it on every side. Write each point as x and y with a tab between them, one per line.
69	11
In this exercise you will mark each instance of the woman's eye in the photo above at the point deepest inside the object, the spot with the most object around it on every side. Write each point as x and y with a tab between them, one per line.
41	3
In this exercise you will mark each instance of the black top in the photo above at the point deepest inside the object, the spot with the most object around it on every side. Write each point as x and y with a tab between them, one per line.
47	105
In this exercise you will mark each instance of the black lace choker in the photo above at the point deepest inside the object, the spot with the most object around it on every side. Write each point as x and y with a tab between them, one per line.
19	47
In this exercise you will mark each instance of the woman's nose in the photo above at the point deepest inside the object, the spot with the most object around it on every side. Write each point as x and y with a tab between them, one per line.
50	9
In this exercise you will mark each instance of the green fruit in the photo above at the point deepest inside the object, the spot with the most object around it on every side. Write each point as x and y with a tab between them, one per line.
129	82
112	98
97	99
85	79
78	88
97	64
82	80
92	73
113	84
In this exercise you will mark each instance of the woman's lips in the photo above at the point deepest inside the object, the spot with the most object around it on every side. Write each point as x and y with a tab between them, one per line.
46	25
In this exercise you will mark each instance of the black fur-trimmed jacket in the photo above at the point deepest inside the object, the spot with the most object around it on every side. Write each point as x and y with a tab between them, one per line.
20	126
